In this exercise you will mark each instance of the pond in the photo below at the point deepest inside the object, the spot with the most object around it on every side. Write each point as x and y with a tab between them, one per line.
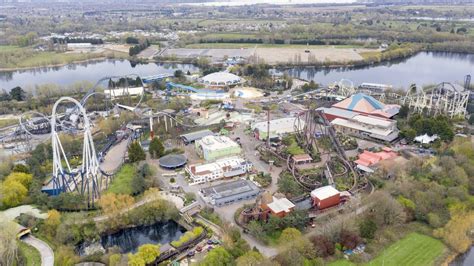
423	68
129	239
90	71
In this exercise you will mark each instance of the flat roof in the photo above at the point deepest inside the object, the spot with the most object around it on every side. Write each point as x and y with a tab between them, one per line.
373	121
338	112
229	189
232	162
217	142
302	157
189	137
279	205
281	125
324	192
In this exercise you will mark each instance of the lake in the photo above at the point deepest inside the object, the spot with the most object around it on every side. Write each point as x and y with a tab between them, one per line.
422	68
128	240
466	259
91	71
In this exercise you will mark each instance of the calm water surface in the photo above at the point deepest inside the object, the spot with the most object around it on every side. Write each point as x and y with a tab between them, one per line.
128	240
92	71
422	69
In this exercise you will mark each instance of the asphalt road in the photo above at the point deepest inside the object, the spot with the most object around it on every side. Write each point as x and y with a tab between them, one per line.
47	254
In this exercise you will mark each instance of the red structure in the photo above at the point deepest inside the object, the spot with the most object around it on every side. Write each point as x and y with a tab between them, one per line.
325	197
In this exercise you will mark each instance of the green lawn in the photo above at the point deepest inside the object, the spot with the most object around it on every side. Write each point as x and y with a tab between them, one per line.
413	249
30	254
122	183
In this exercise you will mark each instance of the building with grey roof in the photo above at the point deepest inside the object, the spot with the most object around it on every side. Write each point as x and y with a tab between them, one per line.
193	136
230	192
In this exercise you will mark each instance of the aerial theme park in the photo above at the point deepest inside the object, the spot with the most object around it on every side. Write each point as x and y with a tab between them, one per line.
207	138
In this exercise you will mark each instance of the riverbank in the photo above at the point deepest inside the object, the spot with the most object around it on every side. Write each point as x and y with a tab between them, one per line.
13	58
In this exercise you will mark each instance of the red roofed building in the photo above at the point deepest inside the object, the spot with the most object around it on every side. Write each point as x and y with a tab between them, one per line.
368	158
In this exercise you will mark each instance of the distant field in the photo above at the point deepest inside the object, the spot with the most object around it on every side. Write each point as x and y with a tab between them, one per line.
8	48
414	249
260	45
229	36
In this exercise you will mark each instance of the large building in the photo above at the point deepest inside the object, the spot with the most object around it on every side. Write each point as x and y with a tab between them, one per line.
222	168
228	193
363	116
367	126
367	105
221	80
214	147
278	127
325	197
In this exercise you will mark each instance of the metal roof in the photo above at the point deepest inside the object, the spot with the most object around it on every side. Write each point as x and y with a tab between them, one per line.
190	137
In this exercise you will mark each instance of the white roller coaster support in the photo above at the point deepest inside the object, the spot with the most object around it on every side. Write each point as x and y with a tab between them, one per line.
90	176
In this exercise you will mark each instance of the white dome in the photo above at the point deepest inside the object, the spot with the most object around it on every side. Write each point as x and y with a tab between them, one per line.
221	79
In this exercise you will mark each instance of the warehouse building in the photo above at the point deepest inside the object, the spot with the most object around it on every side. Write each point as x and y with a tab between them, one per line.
193	136
214	147
325	197
228	193
222	168
278	127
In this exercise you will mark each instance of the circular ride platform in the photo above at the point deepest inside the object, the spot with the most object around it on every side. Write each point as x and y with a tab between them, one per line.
172	161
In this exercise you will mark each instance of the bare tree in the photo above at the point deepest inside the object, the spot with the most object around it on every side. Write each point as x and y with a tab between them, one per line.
8	246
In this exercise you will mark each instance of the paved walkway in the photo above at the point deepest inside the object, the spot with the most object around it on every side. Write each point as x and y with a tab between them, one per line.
47	254
114	158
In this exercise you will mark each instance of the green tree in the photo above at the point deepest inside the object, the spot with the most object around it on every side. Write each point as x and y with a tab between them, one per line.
149	252
367	228
217	256
135	260
404	109
52	222
178	73
250	258
156	149
65	256
114	259
135	152
17	94
288	236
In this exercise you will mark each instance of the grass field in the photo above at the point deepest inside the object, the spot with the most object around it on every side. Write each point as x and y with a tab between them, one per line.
122	184
413	249
8	48
32	256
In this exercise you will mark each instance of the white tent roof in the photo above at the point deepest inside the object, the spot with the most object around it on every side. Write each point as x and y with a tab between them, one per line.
425	139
